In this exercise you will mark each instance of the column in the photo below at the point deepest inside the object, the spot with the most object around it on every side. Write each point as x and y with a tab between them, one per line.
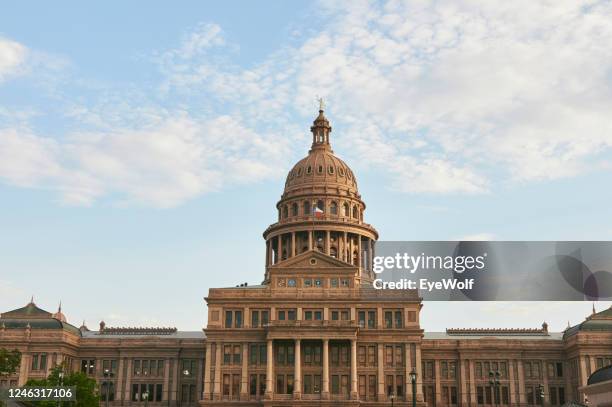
472	384
381	374
463	382
267	253
199	378
419	372
293	249
351	248
325	393
344	247
270	371
217	384
359	254
408	364
23	369
175	379
582	379
354	391
297	373
244	382
569	390
327	243
119	382
310	237
545	380
207	371
512	382
279	248
438	388
521	382
128	380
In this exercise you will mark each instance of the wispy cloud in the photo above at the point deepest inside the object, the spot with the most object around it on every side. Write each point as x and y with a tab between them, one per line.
12	57
439	98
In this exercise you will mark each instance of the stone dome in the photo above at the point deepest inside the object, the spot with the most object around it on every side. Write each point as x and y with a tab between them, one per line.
321	168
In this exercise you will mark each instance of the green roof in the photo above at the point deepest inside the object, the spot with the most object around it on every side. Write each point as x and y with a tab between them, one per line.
29	311
601	321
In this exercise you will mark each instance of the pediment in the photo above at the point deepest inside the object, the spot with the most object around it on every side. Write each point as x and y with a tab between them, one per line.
312	259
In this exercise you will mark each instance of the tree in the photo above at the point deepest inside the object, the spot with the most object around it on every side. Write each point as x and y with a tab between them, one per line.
9	363
86	388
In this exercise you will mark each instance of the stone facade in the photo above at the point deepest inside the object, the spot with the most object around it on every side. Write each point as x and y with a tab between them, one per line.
314	332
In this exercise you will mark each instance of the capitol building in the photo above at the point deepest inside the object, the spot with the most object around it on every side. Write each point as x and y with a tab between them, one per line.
315	332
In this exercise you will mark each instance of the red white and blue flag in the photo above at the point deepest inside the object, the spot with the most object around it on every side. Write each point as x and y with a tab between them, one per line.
318	212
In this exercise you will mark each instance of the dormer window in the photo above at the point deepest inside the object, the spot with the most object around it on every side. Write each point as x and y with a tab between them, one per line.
320	170
308	170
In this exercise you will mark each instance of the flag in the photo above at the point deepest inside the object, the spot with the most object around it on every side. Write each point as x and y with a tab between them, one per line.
318	212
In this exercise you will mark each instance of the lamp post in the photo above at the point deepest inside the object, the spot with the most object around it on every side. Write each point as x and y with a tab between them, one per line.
107	375
494	383
60	377
413	379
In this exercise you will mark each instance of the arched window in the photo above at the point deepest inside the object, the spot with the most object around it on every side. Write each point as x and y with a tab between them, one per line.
308	169
285	212
345	211
333	252
331	169
320	170
321	205
299	174
306	207
333	208
294	209
355	257
355	212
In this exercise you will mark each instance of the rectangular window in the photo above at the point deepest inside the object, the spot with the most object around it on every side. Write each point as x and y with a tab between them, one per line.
335	315
34	362
308	315
265	317
280	384
388	319
228	319
389	385
253	385
227	354
253	353
399	386
559	369
237	354
362	318
388	355
235	385
398	319
226	384
291	315
344	385
371	319
238	319
480	395
159	392
43	361
262	384
361	356
281	315
362	387
372	385
372	355
254	319
307	384
335	384
135	392
318	315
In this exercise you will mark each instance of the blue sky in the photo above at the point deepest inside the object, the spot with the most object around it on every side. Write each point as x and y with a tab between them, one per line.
143	146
